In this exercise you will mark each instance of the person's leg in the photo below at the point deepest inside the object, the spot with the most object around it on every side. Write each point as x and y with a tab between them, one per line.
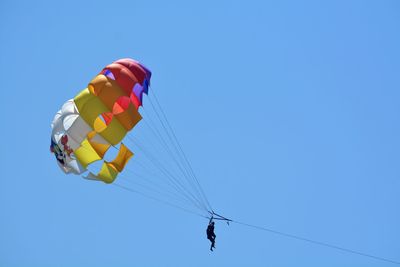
211	240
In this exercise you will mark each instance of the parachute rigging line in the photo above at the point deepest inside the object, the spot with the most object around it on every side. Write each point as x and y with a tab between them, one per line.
175	183
166	148
324	244
189	187
180	148
156	188
157	191
158	200
186	174
151	185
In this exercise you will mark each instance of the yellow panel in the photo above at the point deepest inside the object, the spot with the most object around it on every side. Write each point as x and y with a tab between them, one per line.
107	173
124	154
114	132
85	154
90	108
101	149
81	98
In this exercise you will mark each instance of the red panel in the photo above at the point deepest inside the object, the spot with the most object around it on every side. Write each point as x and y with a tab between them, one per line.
135	101
107	117
123	76
134	67
121	105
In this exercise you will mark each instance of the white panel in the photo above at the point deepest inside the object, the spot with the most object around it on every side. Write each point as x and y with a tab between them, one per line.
78	131
67	122
75	167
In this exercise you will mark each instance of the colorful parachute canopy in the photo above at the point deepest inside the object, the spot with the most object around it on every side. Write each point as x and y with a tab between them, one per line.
99	117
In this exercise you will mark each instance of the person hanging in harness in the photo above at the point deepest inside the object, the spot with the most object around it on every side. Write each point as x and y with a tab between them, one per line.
210	234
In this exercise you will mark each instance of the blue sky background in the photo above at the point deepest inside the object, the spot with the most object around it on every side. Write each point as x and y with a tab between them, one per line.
288	111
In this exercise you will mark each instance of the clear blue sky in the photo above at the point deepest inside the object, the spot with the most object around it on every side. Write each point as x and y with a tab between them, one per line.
288	111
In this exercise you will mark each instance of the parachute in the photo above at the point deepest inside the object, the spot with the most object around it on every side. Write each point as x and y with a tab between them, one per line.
92	136
99	117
